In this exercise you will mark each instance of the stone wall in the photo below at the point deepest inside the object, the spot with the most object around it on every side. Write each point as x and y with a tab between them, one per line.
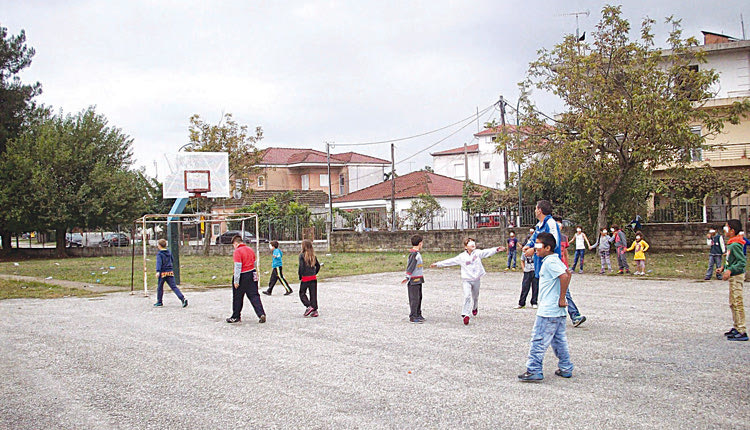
661	237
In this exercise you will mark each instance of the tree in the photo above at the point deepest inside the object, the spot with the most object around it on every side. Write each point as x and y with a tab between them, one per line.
75	172
279	213
479	200
15	105
629	107
422	210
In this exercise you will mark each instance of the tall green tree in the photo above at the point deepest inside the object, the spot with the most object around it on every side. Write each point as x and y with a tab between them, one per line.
16	102
628	106
74	171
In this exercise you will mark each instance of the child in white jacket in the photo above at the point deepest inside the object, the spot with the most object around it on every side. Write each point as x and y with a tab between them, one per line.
472	271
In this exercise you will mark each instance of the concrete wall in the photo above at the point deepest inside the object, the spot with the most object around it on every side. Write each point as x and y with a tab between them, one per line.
661	237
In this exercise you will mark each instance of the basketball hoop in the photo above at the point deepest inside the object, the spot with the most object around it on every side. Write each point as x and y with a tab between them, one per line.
197	182
197	174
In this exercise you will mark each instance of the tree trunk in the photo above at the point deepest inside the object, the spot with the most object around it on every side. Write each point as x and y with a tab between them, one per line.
6	238
60	241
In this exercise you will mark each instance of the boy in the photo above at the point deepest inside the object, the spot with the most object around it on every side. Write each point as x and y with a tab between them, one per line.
512	243
549	327
715	242
621	245
472	271
244	282
415	279
530	281
734	272
277	273
165	273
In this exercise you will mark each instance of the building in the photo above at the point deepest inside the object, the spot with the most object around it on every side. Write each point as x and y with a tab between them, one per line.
730	150
282	169
485	165
375	201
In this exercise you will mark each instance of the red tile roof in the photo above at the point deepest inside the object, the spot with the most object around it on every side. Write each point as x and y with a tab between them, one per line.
306	155
409	186
470	149
495	130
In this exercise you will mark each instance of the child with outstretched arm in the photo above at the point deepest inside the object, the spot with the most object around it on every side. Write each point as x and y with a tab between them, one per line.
472	271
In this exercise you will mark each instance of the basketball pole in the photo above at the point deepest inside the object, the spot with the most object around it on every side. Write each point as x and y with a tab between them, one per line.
145	269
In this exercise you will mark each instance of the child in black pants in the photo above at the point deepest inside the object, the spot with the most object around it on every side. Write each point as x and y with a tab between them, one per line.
415	279
308	271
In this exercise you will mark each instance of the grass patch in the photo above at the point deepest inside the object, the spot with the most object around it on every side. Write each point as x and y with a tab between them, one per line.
217	270
12	289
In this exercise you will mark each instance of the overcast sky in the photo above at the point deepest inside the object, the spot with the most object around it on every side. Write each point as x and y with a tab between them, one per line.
310	72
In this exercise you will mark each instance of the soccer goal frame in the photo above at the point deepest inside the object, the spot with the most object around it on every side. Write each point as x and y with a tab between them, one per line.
209	218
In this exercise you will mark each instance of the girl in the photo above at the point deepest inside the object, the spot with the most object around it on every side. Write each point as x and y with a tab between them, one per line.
308	270
277	273
603	245
640	246
580	238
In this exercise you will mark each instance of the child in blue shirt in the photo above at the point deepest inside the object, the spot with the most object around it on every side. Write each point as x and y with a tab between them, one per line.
276	270
165	273
512	244
549	328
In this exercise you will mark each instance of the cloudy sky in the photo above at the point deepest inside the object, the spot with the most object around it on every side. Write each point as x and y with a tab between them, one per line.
310	72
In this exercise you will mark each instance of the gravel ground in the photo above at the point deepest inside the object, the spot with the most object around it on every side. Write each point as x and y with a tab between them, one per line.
651	355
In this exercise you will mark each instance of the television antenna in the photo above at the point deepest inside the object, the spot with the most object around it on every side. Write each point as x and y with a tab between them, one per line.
577	14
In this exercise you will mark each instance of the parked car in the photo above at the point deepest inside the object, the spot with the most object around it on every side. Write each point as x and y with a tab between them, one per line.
247	237
115	239
73	240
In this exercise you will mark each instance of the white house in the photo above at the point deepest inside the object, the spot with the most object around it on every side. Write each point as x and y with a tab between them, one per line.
486	165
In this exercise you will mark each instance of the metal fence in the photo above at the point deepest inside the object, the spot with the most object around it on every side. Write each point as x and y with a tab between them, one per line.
697	212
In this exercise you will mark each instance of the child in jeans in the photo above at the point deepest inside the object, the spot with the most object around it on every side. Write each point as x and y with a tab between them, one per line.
549	327
580	238
603	244
415	279
530	281
472	271
165	273
640	246
308	276
512	243
734	272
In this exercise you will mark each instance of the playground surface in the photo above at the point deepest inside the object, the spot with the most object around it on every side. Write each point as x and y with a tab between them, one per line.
651	355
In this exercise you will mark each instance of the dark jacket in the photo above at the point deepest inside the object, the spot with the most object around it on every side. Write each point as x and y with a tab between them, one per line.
164	261
305	270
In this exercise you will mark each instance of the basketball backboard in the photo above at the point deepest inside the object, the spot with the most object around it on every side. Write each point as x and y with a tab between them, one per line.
192	174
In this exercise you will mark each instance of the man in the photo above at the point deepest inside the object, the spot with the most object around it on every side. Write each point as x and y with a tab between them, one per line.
244	282
547	224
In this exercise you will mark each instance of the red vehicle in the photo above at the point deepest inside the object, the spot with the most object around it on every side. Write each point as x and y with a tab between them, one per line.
487	220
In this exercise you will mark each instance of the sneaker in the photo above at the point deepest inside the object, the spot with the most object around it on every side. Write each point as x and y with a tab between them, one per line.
416	320
308	311
627	271
506	269
262	319
534	306
184	303
421	318
466	320
287	293
530	377
619	272
602	272
518	307
474	312
580	271
562	374
266	292
707	278
731	332
232	320
579	321
313	314
738	336
158	304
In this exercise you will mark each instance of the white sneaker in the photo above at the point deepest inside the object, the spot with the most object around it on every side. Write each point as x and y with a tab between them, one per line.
518	307
534	306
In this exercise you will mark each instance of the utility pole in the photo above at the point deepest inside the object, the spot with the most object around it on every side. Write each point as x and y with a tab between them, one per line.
330	199
393	188
502	129
517	136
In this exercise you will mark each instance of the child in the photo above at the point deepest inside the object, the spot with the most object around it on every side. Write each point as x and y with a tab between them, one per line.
549	327
717	249
640	246
564	244
512	242
621	243
276	270
308	271
580	238
602	244
472	271
530	281
734	272
165	273
415	279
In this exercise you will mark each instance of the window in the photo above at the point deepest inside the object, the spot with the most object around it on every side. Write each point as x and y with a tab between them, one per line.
342	184
459	171
261	181
696	154
324	180
305	182
486	165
